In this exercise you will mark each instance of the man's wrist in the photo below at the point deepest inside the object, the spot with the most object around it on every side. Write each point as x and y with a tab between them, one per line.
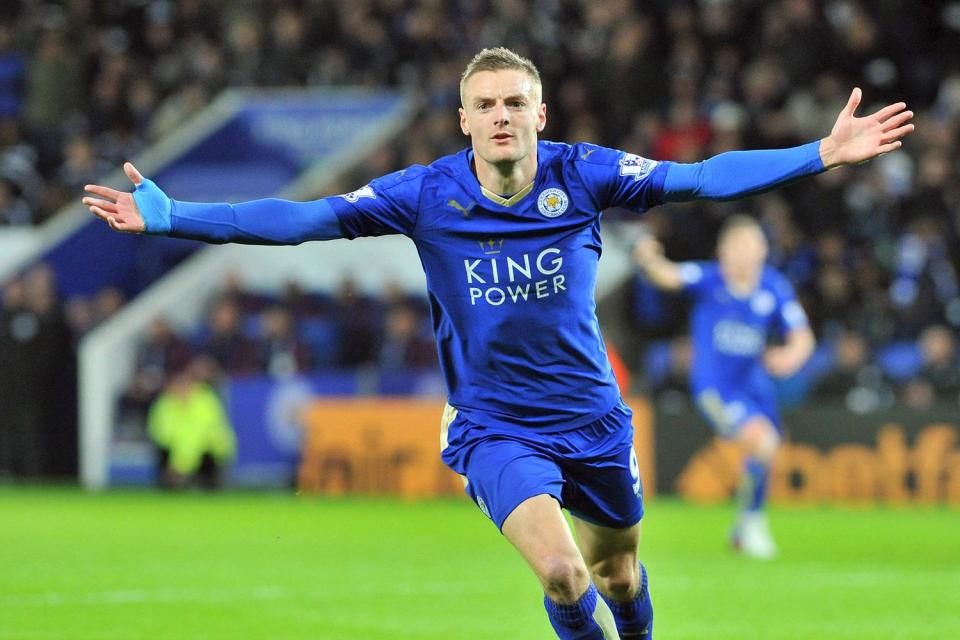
828	153
155	208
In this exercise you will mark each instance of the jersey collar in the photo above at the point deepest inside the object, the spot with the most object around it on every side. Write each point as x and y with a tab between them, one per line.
497	198
512	200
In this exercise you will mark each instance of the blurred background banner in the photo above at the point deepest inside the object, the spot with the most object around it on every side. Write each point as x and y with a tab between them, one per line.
832	455
391	447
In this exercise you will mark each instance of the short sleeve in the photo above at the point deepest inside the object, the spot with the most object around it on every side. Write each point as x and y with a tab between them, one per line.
387	205
620	179
790	313
694	276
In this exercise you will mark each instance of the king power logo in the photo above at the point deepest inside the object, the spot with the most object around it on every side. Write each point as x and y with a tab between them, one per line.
497	280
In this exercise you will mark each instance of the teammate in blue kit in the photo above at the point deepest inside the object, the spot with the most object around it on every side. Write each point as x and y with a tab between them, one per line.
739	304
508	235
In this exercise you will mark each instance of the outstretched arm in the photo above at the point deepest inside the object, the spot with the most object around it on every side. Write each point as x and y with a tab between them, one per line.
741	173
270	221
655	267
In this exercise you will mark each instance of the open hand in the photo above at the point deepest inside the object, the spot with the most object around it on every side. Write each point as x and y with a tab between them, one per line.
646	249
118	208
854	139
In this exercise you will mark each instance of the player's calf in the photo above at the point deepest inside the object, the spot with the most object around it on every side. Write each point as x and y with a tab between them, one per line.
634	617
759	439
588	618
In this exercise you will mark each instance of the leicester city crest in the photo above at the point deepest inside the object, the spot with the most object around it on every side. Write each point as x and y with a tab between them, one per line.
552	202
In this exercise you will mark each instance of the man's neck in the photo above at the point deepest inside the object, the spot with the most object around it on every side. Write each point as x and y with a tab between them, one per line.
743	285
505	179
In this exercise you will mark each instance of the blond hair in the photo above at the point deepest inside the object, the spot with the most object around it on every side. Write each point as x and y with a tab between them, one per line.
496	59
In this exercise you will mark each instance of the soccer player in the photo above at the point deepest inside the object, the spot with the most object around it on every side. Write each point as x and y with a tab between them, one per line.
508	236
739	305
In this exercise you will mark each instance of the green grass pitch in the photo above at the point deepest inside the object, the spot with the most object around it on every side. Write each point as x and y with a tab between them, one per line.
126	565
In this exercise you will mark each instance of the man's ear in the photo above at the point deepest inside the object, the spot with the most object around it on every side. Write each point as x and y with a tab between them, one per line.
542	118
463	122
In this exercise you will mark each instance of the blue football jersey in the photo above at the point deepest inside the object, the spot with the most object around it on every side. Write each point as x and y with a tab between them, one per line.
511	280
730	333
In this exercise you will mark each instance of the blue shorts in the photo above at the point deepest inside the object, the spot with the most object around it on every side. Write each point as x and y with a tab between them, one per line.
592	471
727	411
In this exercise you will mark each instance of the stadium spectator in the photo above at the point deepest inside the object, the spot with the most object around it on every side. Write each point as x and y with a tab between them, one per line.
12	73
35	374
194	439
158	356
926	279
14	210
223	339
853	378
247	302
357	318
20	435
405	346
850	355
107	303
53	93
81	164
833	297
939	375
162	352
18	165
280	352
78	311
55	367
301	303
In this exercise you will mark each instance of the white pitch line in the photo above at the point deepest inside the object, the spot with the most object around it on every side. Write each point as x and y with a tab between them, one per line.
221	595
136	596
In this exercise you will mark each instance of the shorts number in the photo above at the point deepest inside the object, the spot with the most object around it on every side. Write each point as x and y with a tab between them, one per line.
635	473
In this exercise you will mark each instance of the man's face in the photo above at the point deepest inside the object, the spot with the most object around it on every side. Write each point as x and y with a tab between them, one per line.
502	114
742	252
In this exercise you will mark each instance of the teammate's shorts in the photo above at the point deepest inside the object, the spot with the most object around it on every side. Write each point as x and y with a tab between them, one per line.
727	411
592	471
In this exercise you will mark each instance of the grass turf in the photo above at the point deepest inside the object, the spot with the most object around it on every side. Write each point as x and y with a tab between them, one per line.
125	565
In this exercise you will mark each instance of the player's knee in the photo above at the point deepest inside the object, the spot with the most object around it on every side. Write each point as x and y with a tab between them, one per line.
564	578
760	439
617	579
620	587
769	443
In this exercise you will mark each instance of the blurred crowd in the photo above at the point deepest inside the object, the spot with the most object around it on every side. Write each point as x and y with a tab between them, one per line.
296	332
872	250
242	333
85	84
